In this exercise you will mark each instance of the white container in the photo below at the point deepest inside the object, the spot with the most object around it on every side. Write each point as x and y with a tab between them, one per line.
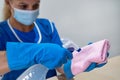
36	72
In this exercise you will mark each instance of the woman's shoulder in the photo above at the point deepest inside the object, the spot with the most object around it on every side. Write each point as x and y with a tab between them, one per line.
3	24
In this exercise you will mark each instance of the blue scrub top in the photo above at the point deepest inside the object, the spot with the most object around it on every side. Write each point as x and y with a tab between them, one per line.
49	34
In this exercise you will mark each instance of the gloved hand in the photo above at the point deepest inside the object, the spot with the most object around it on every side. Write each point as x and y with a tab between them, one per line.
94	65
95	53
24	55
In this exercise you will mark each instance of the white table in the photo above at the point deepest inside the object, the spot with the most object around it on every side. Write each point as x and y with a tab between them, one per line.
111	71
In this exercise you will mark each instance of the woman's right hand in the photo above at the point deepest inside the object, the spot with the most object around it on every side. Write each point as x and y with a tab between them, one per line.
24	55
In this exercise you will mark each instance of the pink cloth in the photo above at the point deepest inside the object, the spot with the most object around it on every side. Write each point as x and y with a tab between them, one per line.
96	52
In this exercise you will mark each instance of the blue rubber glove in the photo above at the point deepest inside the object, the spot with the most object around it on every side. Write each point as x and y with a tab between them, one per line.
24	55
94	65
68	72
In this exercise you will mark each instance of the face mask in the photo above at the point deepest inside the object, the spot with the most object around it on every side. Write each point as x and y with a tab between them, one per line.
26	17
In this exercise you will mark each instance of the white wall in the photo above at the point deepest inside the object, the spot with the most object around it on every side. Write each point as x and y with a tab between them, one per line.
84	21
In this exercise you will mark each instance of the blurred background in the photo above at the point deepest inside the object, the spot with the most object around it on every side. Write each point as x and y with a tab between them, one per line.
84	21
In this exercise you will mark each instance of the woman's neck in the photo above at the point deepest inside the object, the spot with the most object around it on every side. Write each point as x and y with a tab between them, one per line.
15	24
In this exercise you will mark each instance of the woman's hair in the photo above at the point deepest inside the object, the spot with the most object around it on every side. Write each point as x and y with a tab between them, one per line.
6	11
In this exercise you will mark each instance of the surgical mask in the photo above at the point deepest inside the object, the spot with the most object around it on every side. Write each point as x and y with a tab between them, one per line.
26	17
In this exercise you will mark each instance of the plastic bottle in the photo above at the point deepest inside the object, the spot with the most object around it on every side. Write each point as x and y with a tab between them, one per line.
36	72
70	45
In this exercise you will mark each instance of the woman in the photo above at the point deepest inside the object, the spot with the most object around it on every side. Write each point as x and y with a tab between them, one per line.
26	40
21	25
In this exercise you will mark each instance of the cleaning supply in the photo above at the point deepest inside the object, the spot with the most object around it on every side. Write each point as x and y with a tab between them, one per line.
94	53
36	72
71	46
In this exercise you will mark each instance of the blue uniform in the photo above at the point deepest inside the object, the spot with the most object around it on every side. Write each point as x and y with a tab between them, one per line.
48	34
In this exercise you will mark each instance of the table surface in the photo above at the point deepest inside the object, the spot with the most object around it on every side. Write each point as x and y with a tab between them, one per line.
111	71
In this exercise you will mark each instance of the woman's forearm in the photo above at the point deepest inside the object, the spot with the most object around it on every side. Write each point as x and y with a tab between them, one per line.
3	63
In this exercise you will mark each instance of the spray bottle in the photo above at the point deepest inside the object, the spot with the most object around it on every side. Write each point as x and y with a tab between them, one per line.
35	72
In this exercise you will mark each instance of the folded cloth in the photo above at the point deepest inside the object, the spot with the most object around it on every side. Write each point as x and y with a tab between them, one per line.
94	53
